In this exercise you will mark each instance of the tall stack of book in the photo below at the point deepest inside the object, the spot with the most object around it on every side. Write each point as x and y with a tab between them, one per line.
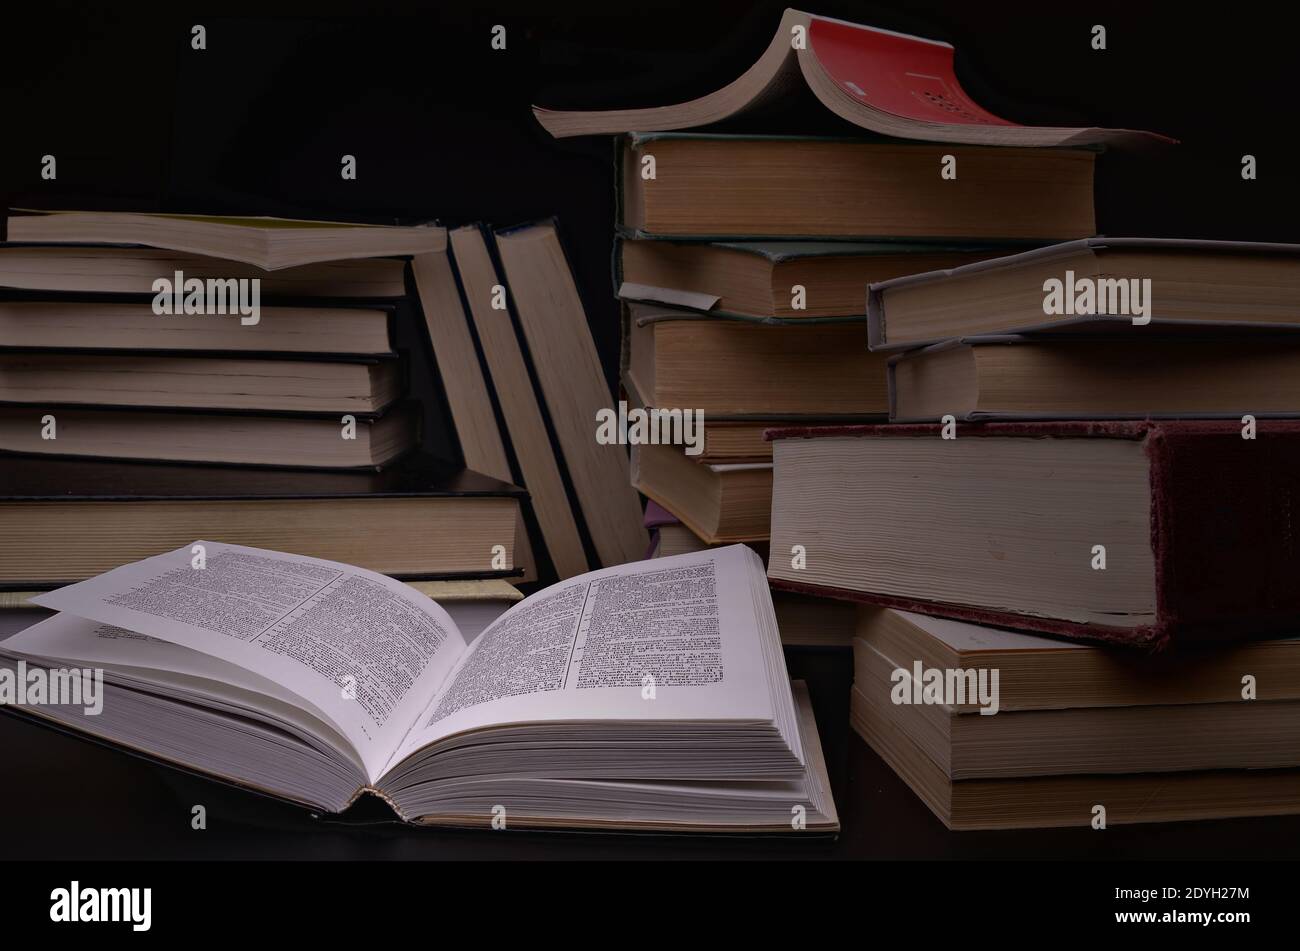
742	257
1086	479
1119	468
294	385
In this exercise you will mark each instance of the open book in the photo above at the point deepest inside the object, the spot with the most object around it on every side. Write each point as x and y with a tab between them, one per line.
649	696
888	83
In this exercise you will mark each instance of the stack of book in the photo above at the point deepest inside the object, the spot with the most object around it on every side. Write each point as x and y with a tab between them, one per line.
1091	441
1044	593
343	391
742	258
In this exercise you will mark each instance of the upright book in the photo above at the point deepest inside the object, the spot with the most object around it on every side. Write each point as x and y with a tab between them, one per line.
608	701
572	381
522	407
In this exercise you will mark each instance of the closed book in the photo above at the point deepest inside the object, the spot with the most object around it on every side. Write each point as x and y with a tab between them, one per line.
1047	673
199	381
267	243
255	439
731	368
1150	738
1097	376
114	326
1131	287
793	280
1029	802
723	187
108	269
1140	533
68	519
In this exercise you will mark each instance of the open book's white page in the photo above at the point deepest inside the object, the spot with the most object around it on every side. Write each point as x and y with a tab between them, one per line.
667	639
366	650
85	643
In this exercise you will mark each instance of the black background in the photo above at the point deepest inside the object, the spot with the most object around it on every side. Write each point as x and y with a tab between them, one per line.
441	128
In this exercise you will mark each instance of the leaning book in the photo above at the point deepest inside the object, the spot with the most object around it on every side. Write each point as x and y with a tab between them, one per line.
650	696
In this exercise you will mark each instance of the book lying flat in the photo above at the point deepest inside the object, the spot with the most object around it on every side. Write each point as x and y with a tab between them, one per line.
54	379
754	187
734	441
1139	533
736	368
319	683
1049	801
561	352
69	519
118	270
890	83
763	278
82	325
719	503
252	439
473	602
1150	738
1097	377
1040	673
268	243
1127	286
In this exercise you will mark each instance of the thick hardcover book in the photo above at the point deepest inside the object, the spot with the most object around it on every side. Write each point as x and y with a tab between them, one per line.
199	380
268	243
1042	801
309	441
105	269
57	323
727	368
67	519
1125	286
337	682
889	83
522	406
1098	376
777	280
725	187
1138	533
560	350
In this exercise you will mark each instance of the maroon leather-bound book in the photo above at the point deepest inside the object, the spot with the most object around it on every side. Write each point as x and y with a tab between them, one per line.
1142	533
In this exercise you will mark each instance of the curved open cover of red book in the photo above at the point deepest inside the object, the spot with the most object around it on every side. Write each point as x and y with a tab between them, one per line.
889	83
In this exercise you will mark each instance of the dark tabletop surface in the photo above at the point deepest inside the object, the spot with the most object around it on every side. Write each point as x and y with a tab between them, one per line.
67	798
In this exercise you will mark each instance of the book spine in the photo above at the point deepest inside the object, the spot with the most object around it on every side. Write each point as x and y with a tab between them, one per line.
1225	530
